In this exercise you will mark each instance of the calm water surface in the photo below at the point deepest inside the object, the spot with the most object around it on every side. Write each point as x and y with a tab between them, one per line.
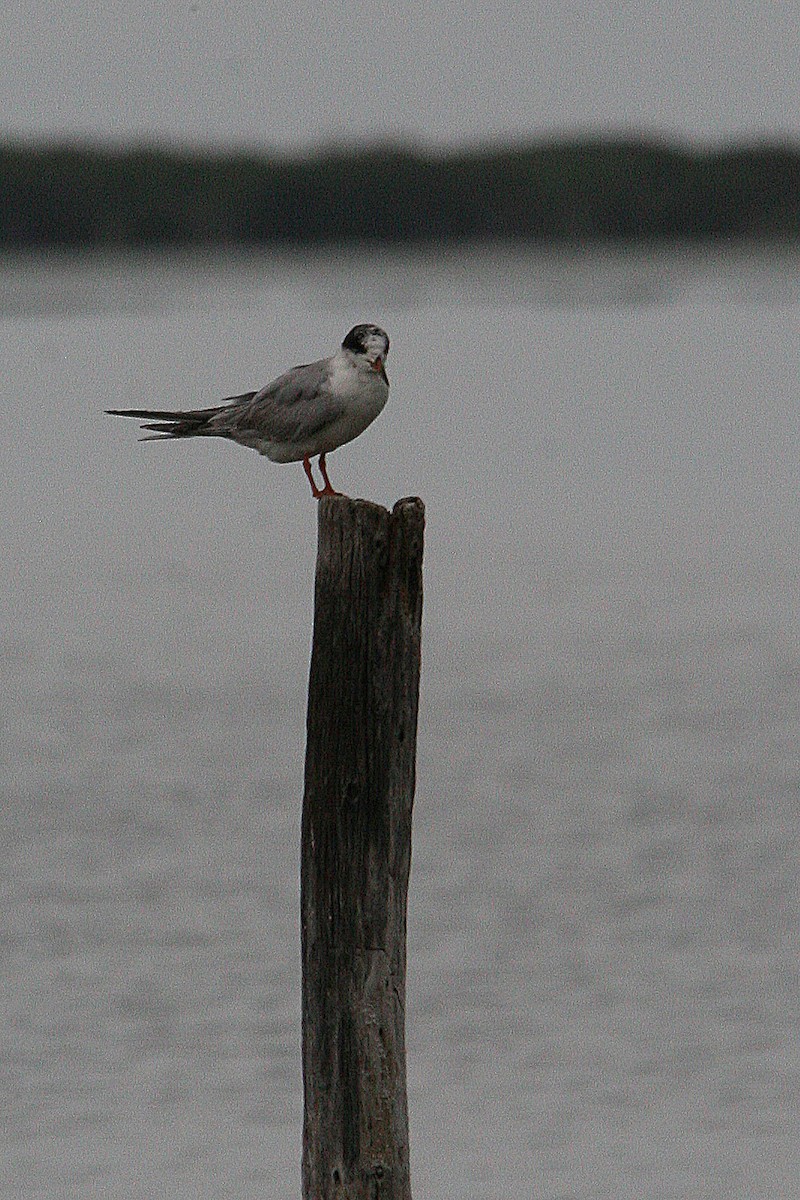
604	991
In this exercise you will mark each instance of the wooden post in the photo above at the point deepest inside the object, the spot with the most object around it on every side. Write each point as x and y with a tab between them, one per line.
356	848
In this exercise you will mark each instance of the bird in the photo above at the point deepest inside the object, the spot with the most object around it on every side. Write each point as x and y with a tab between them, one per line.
307	412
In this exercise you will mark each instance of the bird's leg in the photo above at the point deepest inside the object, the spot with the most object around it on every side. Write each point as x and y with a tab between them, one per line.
315	491
328	490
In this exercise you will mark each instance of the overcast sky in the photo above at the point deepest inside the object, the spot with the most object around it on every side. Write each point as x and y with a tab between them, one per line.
298	74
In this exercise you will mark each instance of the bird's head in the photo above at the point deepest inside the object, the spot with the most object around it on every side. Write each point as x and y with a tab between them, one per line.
369	342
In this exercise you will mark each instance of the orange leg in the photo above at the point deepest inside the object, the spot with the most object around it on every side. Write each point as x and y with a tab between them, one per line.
315	491
328	490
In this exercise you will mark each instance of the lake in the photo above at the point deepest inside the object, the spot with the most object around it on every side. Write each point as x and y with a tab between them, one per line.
604	923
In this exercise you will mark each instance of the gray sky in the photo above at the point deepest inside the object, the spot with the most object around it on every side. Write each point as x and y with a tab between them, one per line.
298	74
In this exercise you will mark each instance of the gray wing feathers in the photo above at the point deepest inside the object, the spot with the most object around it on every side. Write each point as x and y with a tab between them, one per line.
290	409
196	422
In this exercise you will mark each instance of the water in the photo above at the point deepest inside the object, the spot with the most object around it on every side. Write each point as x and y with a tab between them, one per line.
604	913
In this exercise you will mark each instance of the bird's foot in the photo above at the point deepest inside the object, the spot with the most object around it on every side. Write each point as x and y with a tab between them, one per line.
318	493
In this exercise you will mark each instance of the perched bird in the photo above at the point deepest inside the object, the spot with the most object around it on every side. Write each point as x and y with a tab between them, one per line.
309	411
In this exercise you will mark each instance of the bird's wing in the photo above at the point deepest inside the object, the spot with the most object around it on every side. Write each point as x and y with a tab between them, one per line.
290	409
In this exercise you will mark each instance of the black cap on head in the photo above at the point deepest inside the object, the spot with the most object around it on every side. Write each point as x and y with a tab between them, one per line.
361	337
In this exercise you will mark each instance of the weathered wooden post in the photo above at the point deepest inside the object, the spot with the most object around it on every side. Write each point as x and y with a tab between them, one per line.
356	848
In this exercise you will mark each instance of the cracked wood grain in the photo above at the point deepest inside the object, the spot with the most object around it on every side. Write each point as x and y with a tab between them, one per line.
356	848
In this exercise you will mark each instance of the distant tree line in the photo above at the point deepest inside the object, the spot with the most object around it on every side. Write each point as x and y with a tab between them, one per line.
573	190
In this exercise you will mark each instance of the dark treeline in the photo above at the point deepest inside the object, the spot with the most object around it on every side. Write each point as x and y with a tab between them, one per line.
606	189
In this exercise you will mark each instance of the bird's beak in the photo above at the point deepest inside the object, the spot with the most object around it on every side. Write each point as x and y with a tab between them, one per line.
378	364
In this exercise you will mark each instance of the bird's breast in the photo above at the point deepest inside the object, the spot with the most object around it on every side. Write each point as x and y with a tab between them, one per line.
362	395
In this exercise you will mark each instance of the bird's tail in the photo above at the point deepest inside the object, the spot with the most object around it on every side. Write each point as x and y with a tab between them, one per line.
195	423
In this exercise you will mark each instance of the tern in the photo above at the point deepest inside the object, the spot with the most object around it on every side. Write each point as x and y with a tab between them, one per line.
308	412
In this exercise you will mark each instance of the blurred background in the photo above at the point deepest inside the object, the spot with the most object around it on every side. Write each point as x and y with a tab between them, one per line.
579	227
